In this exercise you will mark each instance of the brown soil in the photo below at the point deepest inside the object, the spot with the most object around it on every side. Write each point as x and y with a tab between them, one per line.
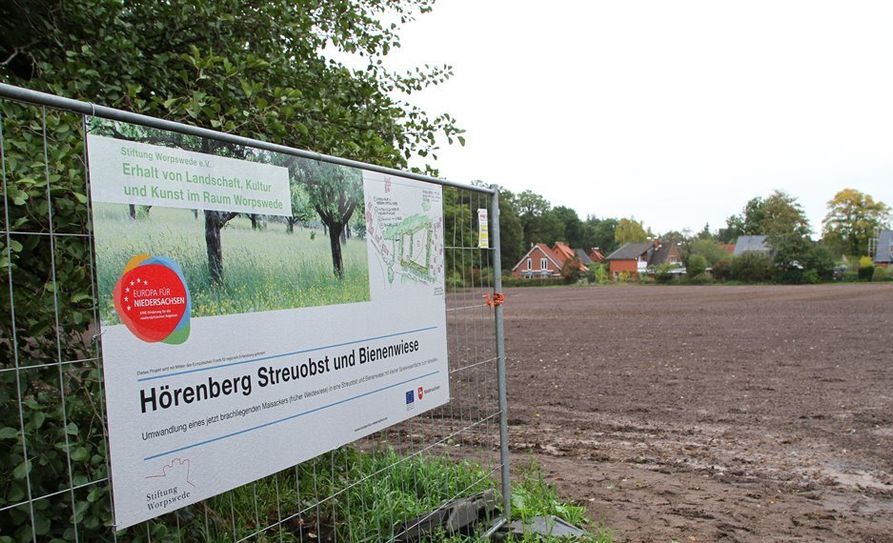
755	413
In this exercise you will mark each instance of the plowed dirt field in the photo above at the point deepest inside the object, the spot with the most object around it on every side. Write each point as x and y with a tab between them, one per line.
710	413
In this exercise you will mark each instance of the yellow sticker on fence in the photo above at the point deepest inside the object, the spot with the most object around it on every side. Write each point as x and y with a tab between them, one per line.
483	229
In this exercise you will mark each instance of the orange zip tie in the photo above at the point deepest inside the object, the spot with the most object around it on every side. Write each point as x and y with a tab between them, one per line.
497	299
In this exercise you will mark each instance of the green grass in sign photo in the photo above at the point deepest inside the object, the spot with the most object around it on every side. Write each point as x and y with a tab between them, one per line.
264	269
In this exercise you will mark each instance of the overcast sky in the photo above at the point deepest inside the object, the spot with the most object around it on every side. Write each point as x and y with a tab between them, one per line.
675	113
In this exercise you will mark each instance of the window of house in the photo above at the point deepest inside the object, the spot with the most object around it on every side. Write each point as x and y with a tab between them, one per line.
544	263
529	263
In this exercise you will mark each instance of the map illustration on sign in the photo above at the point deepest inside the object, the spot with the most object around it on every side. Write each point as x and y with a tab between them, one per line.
405	232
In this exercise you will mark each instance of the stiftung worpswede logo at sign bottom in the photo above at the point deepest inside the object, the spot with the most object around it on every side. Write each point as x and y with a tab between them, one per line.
152	299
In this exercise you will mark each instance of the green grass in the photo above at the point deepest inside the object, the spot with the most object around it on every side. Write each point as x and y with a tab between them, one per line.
263	270
532	496
369	494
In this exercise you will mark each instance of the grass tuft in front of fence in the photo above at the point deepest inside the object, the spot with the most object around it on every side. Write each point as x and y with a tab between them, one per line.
367	494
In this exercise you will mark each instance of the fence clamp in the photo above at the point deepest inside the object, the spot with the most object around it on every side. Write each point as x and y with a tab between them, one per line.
495	300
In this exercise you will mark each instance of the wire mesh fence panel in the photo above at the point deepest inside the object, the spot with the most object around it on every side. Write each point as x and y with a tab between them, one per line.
55	482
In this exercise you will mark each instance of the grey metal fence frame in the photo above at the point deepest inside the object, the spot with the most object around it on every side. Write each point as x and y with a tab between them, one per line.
302	503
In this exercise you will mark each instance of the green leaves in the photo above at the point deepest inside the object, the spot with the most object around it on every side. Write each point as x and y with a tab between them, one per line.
262	71
80	454
21	471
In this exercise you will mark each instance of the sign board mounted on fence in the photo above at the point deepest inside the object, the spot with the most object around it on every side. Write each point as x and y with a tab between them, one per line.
249	297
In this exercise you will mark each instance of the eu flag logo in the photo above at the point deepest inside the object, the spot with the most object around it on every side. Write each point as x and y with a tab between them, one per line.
410	396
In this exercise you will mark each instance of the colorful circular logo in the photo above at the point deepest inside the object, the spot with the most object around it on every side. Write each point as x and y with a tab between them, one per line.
152	300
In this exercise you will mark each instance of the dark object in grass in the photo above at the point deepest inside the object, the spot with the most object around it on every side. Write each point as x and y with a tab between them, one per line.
316	530
456	517
546	526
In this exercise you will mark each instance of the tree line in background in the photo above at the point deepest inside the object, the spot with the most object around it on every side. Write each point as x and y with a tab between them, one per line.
853	218
527	218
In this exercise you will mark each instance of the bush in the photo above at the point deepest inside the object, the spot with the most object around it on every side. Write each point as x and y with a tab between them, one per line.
624	277
703	279
811	277
752	267
711	250
866	268
866	273
453	280
850	277
598	273
722	270
820	259
697	265
662	273
789	276
570	270
880	274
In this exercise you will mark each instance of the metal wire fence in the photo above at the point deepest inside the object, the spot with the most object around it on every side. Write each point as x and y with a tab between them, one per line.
54	480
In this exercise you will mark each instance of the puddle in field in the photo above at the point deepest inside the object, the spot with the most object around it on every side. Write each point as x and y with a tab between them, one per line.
860	504
849	475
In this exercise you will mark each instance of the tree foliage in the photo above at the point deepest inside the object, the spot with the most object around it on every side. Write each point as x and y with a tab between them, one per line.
696	266
539	223
820	259
748	223
254	69
600	233
711	250
301	206
571	270
787	228
334	192
511	231
258	69
852	219
629	231
571	225
752	267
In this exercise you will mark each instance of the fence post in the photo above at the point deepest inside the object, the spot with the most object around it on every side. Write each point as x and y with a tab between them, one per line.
500	362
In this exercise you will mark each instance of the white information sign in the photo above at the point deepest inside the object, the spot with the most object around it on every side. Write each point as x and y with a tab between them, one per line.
139	173
245	335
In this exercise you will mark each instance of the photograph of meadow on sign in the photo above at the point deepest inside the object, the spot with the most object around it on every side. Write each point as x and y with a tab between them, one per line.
268	263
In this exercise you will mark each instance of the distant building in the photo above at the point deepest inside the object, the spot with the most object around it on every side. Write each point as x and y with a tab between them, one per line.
563	251
596	255
753	244
636	258
883	255
541	261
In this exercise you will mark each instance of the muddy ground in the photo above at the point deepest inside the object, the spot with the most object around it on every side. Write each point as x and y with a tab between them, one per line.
712	413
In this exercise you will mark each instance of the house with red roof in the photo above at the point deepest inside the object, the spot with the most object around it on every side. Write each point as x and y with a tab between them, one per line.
541	261
563	251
